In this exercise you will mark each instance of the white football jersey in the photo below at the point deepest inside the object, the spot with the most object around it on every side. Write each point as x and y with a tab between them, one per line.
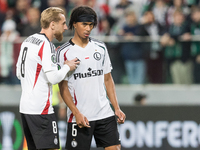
86	83
37	56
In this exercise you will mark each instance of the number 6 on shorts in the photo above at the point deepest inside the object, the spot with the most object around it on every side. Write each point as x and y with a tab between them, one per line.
74	130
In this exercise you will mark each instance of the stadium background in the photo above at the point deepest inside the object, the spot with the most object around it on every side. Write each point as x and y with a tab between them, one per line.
169	119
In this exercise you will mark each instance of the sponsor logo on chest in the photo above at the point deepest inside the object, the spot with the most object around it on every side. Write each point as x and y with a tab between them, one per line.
90	73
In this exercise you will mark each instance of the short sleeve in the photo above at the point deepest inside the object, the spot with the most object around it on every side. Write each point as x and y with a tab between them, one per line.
61	57
107	63
48	57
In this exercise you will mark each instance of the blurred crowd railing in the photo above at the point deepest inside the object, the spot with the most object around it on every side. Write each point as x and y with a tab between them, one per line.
113	44
117	39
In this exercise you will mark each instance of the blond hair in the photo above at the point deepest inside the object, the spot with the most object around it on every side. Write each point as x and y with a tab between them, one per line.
50	14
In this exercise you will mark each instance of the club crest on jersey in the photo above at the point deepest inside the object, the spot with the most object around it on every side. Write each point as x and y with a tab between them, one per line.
97	56
56	141
53	58
74	143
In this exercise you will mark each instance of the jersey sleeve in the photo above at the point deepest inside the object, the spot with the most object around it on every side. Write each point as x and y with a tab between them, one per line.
107	62
61	57
66	57
48	57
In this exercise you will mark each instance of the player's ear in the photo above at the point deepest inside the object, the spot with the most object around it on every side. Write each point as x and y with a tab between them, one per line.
75	25
52	25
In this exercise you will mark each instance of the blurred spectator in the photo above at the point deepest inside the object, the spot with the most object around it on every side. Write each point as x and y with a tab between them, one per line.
8	14
195	46
140	99
176	5
20	14
8	37
132	52
91	3
57	3
105	25
160	12
179	52
118	13
105	9
72	4
3	6
106	21
159	9
191	3
2	18
123	4
148	5
100	13
33	26
138	7
101	10
40	4
152	49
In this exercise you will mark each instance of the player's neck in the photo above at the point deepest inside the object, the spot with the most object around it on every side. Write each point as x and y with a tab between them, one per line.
82	42
48	34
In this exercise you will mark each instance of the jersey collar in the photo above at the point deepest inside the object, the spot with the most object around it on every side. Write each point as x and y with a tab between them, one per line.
72	43
44	35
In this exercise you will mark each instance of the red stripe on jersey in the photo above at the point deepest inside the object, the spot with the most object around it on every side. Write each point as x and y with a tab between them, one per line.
46	109
40	53
65	58
86	57
39	67
71	116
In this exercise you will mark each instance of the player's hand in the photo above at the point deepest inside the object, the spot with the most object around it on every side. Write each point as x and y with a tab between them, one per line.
82	121
120	116
73	64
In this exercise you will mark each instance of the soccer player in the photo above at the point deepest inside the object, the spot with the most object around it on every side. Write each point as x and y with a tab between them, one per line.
37	69
85	90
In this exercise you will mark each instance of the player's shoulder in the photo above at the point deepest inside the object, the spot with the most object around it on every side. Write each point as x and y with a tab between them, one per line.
40	36
96	41
64	46
62	49
46	41
34	40
37	39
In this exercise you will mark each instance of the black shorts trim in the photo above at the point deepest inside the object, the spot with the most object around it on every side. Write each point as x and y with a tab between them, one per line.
41	131
105	134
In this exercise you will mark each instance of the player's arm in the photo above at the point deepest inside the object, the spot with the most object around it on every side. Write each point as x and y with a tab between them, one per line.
55	76
81	120
110	88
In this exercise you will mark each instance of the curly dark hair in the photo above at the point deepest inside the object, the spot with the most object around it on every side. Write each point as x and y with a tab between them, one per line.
81	10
